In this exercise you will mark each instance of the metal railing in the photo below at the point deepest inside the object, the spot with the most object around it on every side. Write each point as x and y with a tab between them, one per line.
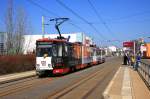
144	70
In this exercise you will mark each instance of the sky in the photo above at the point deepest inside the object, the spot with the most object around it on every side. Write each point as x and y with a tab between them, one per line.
108	22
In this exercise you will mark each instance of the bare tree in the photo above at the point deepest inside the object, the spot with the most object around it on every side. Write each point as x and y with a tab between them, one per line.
21	29
16	28
9	27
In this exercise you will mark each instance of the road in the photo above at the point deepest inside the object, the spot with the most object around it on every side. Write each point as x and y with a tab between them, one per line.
88	83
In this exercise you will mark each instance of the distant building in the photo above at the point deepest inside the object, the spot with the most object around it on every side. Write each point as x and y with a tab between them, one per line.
112	48
2	42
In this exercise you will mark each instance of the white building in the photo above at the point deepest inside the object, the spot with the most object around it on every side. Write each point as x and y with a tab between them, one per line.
30	40
112	48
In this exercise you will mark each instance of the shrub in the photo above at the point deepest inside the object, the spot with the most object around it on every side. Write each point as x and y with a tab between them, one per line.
16	63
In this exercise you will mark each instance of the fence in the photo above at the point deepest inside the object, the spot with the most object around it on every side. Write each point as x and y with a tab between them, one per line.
144	70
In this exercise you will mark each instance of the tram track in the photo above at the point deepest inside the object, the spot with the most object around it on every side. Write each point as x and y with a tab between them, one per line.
64	91
7	90
82	83
76	84
23	85
91	90
68	90
4	85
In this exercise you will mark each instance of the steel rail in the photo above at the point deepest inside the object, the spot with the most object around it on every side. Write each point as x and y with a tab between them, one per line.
95	86
24	86
73	86
76	84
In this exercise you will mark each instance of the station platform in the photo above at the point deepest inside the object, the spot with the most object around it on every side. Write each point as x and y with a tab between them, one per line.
126	84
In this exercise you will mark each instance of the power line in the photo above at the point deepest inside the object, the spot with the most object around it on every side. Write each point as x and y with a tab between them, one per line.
96	29
100	17
77	15
132	15
50	12
69	9
76	26
41	7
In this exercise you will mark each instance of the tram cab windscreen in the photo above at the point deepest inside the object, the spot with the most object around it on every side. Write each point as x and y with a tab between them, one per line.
49	48
43	48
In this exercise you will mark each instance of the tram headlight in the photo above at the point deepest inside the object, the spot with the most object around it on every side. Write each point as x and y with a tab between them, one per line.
37	65
49	65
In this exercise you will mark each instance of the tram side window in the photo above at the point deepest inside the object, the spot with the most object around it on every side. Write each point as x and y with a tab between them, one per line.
92	52
65	51
54	50
97	52
60	50
70	51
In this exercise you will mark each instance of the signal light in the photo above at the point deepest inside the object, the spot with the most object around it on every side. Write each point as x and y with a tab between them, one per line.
49	65
37	65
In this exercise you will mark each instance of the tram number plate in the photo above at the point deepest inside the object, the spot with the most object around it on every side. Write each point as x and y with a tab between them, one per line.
43	63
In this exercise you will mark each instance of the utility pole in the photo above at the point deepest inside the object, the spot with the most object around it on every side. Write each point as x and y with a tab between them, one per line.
134	47
43	27
101	50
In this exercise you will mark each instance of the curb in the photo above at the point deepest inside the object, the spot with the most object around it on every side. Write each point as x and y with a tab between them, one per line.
16	76
106	94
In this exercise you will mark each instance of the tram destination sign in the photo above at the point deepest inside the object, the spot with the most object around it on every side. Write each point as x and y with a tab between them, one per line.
44	43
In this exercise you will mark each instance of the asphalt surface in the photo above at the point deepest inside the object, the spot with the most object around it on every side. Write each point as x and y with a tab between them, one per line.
88	83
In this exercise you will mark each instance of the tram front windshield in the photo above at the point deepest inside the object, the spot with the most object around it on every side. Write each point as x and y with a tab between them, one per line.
49	50
42	50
